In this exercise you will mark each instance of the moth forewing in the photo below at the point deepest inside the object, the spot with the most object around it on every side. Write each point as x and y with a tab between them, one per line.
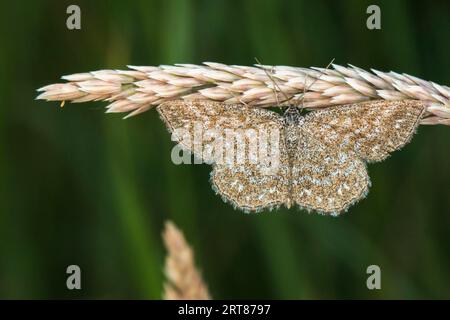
371	129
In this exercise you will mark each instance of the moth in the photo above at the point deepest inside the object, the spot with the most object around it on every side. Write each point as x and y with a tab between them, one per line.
322	155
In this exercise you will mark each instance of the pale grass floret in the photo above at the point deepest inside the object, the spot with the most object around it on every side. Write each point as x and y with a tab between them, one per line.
184	281
137	90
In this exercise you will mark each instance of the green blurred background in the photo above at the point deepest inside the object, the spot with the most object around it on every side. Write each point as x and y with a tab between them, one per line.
81	187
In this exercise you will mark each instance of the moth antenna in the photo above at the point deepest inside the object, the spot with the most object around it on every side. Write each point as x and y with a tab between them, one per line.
275	84
240	99
306	78
274	91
